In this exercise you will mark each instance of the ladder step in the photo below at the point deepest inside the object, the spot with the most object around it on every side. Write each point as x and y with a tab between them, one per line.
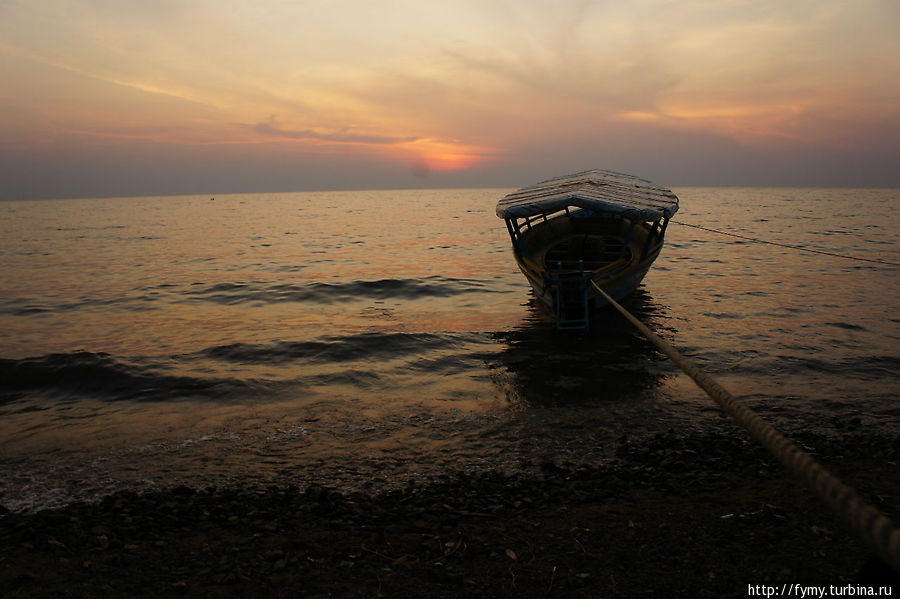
571	304
571	298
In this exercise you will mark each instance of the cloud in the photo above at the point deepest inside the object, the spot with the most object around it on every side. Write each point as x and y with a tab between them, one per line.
489	91
271	129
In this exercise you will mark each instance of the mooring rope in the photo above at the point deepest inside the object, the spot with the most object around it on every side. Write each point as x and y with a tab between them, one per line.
868	522
785	245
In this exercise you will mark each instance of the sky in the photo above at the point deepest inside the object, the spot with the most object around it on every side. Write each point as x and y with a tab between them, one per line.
129	97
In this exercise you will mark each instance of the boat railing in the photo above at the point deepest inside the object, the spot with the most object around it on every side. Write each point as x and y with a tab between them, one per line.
658	233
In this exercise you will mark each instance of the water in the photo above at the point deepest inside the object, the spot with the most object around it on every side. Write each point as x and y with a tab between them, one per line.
364	339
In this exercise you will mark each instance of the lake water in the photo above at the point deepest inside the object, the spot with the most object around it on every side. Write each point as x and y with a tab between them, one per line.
364	339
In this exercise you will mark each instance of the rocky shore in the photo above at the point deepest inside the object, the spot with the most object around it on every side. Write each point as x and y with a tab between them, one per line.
670	516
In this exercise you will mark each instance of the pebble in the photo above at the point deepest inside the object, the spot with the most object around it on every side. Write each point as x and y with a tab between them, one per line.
435	513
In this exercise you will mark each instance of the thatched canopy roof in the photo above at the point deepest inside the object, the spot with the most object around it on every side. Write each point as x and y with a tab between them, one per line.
606	192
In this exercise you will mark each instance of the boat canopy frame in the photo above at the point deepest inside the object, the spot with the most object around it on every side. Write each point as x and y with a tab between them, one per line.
601	193
517	227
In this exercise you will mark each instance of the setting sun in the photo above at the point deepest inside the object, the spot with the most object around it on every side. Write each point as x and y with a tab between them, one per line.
437	155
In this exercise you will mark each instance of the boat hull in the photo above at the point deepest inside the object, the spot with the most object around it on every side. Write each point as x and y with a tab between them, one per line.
618	289
560	255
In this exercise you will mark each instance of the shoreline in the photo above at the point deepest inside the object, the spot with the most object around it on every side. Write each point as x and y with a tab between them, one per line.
701	515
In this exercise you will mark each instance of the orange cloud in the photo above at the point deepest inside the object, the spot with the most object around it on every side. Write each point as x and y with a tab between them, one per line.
345	135
425	154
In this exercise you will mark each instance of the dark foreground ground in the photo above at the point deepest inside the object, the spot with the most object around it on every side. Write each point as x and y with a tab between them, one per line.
708	516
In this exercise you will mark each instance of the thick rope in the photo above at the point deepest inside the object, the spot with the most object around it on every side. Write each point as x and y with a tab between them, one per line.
876	529
785	245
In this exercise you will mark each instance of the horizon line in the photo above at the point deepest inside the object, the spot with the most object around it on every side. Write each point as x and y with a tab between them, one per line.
213	195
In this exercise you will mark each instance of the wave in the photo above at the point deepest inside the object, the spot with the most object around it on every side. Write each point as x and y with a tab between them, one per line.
240	292
435	286
99	375
333	349
846	326
239	371
29	306
866	368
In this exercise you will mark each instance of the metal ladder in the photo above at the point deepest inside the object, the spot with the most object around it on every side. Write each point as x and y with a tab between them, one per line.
571	298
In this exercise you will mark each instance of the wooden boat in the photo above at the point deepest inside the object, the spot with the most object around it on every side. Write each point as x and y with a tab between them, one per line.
597	227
